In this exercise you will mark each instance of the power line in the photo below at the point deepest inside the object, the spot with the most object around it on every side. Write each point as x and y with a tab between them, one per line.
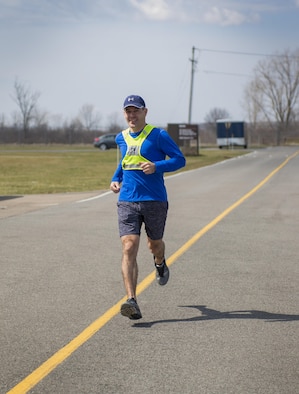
238	53
249	53
225	73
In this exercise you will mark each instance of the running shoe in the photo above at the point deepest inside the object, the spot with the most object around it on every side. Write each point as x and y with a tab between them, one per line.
131	309
162	273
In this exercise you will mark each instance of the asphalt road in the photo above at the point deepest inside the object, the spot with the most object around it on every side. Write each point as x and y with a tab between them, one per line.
227	321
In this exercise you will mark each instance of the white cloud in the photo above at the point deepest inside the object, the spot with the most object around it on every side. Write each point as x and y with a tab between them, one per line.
77	48
224	17
223	12
297	3
233	13
153	9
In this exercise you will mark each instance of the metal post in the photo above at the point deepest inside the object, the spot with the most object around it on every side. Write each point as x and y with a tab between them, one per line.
227	127
193	63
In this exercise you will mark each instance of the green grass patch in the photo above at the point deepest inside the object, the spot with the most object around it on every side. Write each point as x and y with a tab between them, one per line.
37	169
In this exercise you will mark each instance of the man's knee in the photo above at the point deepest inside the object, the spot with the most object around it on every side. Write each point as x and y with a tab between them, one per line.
130	243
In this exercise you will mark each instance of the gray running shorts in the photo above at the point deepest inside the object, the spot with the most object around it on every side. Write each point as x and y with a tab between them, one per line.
153	214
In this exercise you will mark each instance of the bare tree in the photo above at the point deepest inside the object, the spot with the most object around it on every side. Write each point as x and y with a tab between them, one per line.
251	102
274	91
2	120
210	120
56	121
40	117
215	114
115	124
252	98
74	127
89	117
27	103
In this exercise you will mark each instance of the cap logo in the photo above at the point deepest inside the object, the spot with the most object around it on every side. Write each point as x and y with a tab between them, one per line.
134	101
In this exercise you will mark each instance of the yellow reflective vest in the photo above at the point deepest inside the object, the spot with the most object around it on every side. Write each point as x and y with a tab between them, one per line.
133	158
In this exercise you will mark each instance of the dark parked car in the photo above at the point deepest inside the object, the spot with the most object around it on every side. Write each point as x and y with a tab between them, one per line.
105	142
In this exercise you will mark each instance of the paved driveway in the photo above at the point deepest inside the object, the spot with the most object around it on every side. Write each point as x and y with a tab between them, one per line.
17	205
227	321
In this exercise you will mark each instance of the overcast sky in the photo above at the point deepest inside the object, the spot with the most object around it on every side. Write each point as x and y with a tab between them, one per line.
77	52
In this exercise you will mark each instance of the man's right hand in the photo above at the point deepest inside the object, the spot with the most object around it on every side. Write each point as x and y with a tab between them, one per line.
115	187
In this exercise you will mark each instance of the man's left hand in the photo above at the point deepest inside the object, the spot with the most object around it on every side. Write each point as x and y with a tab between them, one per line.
148	167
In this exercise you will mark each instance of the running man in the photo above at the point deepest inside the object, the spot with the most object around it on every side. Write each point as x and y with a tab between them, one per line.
146	153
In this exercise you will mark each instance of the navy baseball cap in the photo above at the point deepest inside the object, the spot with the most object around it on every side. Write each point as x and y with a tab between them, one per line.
134	101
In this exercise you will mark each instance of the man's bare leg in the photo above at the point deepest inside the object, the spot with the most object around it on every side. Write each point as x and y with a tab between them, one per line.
130	245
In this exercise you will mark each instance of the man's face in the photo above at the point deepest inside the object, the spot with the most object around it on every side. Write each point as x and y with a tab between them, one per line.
135	117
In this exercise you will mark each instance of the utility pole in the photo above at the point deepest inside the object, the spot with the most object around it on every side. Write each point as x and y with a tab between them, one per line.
193	64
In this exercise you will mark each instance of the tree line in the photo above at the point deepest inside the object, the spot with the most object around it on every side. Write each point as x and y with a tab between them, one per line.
270	101
32	125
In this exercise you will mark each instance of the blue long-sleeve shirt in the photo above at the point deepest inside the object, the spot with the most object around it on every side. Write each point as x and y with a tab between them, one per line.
159	148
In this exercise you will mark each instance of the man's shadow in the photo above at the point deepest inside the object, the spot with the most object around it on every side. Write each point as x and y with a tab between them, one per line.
213	314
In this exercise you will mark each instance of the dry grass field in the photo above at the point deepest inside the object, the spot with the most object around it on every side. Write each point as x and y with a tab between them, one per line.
38	169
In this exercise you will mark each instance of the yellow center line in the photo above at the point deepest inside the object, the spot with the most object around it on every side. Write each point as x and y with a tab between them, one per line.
49	365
